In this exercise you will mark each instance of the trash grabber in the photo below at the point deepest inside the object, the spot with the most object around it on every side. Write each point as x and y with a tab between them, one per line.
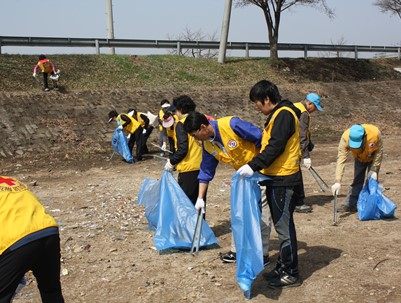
197	234
161	148
335	210
160	157
112	155
318	179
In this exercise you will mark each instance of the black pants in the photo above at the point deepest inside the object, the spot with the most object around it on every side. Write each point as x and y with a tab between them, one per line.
282	201
46	81
137	138
190	184
43	258
171	144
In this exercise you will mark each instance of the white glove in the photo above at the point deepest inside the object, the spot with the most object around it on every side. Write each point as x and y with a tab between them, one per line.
144	131
335	188
120	127
200	203
245	171
164	147
373	175
307	163
168	166
34	75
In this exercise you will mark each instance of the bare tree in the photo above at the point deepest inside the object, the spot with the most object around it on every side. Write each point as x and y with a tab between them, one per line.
272	10
189	35
389	6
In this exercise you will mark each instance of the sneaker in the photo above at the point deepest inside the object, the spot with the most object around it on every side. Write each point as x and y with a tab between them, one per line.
303	208
230	257
346	208
284	280
47	89
274	274
266	261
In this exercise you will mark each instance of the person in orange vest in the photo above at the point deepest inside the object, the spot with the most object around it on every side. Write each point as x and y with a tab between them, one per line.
47	68
365	144
307	106
29	240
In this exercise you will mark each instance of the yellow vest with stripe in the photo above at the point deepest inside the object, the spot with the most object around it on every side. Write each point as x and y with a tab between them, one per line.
239	150
288	162
21	214
132	127
193	159
302	108
371	140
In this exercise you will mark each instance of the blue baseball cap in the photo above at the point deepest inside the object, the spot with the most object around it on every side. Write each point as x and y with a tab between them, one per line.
356	135
315	99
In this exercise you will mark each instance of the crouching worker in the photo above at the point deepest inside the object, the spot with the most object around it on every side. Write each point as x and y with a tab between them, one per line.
29	240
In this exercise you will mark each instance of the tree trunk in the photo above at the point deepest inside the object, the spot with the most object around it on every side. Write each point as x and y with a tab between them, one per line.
273	47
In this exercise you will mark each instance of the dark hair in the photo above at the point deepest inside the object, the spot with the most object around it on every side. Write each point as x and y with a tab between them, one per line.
264	89
112	114
194	121
41	57
164	101
184	104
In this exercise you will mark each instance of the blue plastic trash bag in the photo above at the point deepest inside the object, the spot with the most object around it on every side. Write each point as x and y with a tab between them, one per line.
120	145
172	214
245	200
372	204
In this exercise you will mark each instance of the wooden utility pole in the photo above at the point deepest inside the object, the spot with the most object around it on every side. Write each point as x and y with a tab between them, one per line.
224	31
110	27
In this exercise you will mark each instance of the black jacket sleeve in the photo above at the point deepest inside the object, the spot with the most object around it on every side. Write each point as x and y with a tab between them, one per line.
126	120
145	119
182	144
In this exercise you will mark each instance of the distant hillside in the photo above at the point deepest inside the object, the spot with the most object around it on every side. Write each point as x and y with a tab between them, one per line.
83	72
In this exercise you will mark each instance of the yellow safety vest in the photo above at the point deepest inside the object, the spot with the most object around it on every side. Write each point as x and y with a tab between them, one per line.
288	162
193	158
132	127
238	150
370	145
21	214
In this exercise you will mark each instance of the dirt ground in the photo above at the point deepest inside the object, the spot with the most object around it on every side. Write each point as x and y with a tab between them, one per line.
108	254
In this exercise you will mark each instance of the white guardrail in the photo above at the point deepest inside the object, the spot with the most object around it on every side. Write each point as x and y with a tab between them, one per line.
180	44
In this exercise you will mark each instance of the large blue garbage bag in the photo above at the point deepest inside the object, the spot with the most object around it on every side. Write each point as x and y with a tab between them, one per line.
245	200
120	145
372	204
172	214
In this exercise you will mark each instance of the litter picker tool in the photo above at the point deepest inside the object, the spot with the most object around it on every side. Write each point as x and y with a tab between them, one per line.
161	148
335	210
323	185
160	157
197	234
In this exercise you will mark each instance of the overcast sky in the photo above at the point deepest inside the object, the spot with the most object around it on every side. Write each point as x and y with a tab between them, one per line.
356	22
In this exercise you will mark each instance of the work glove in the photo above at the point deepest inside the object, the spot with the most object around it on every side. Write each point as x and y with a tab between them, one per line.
200	203
34	75
373	175
164	147
144	131
120	127
245	171
307	163
335	188
168	166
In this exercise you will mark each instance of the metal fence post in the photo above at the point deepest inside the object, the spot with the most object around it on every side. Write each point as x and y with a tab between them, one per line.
97	47
0	47
305	52
356	52
399	53
179	48
246	50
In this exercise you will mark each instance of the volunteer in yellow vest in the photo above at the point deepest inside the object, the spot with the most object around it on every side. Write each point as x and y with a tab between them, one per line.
132	127
188	151
168	122
47	68
164	104
29	240
307	106
232	141
279	160
365	144
145	130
